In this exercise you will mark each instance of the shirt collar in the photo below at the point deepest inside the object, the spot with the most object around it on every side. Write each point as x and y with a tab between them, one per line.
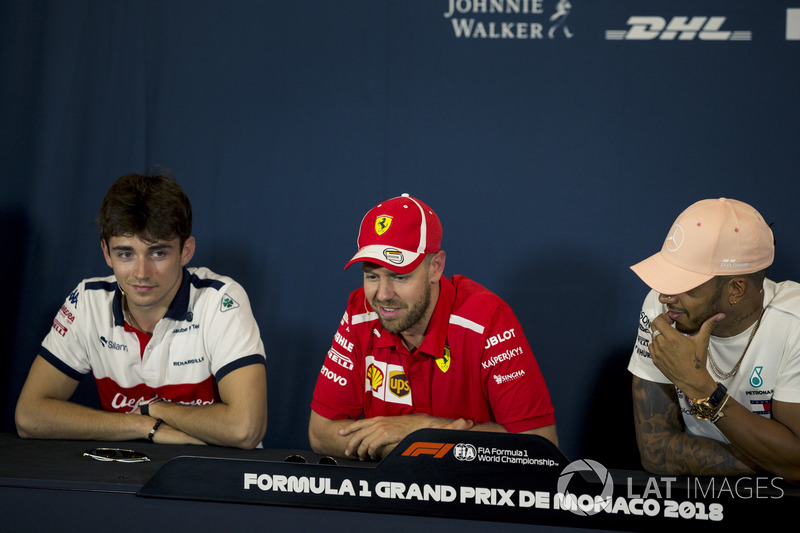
178	308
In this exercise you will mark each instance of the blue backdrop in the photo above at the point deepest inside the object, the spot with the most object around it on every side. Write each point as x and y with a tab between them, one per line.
556	140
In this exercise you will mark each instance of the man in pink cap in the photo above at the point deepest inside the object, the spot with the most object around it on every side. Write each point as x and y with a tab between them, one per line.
416	349
716	365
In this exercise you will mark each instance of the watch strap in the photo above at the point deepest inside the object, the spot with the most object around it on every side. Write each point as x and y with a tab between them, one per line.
718	395
144	407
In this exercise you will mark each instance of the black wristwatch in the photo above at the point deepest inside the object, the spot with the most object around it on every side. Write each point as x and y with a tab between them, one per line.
704	408
144	407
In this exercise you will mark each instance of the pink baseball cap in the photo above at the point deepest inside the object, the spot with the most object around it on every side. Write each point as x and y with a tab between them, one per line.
716	237
397	234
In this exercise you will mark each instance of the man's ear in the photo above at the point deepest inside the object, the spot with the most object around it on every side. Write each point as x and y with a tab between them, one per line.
437	266
104	247
188	251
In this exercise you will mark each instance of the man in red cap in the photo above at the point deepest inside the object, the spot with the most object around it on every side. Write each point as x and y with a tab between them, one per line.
416	349
716	365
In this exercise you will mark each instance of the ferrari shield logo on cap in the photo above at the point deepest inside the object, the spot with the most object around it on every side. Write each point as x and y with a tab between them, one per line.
382	224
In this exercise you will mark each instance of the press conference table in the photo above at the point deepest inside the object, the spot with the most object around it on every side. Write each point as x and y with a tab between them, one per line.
433	481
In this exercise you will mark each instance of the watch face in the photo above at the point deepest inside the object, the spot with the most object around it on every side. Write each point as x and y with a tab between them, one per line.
702	410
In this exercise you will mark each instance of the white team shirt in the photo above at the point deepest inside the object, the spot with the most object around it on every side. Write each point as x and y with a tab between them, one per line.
770	369
208	331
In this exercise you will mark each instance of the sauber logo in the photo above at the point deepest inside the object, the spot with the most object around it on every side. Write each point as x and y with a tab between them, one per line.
382	224
375	377
436	449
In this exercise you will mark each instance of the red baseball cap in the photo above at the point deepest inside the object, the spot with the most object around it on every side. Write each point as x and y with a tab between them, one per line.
397	234
717	237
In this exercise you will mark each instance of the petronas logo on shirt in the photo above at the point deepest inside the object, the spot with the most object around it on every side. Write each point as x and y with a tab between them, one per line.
444	361
228	303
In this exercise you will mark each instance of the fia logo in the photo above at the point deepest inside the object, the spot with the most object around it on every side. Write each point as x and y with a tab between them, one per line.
465	452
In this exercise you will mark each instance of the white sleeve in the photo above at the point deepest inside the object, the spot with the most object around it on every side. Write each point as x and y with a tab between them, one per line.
641	364
64	346
233	336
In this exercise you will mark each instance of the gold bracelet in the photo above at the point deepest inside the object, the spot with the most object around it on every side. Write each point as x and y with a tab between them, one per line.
719	414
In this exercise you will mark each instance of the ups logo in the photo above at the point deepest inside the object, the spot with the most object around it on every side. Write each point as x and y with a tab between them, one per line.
398	383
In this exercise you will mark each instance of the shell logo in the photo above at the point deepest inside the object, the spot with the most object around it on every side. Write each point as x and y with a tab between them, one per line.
375	377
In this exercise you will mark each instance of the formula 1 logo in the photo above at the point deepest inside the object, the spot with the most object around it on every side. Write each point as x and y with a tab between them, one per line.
436	449
678	28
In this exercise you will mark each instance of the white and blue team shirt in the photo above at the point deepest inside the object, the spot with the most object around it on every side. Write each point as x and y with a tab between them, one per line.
208	332
770	369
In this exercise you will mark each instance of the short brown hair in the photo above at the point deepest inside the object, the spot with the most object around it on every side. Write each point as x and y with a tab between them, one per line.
153	207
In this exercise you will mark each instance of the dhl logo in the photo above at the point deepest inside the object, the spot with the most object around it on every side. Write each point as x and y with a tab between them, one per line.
436	449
